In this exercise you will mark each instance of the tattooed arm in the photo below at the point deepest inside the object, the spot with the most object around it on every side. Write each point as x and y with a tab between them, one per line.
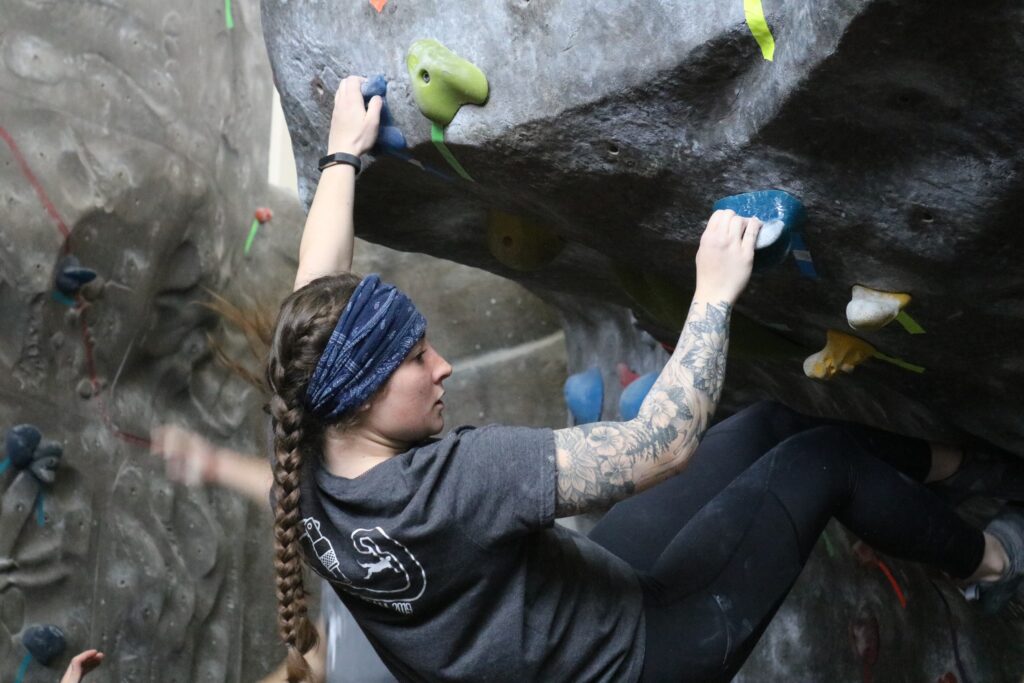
602	463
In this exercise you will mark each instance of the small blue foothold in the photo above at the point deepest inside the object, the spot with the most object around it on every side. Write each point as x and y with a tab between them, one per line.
782	215
389	137
45	642
20	444
634	394
71	276
584	394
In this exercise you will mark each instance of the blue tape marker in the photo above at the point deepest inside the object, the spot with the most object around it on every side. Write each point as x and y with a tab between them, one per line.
4	464
40	515
62	299
420	165
20	676
803	257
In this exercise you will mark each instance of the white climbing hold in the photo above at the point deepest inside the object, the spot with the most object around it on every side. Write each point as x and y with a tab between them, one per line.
872	309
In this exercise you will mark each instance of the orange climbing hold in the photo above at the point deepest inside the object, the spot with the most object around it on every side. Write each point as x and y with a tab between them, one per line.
842	353
378	5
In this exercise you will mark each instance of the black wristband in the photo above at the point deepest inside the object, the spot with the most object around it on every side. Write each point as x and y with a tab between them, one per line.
340	158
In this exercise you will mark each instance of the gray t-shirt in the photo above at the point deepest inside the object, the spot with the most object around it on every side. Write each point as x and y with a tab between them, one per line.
448	557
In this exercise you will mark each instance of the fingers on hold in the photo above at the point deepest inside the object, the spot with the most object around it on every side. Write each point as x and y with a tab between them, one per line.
753	227
736	225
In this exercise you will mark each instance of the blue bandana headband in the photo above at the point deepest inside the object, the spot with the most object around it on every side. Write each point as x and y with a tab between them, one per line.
376	330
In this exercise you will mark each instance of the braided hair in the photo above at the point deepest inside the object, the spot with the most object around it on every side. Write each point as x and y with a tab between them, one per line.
304	325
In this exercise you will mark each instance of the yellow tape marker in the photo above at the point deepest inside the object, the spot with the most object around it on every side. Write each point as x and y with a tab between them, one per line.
759	27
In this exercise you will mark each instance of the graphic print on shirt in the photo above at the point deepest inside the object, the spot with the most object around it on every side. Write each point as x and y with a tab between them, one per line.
388	573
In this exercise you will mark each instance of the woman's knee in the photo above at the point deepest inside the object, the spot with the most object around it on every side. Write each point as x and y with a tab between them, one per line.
823	452
768	417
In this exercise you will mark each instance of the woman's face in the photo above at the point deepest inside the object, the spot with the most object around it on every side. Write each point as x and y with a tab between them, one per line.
408	408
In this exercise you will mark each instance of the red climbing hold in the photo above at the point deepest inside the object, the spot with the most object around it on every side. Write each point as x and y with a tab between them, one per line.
263	214
626	376
948	677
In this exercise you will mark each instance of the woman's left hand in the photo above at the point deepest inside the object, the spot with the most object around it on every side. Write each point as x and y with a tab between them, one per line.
82	664
353	126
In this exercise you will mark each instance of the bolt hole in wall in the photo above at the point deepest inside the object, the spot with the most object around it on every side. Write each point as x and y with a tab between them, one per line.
613	149
922	215
425	75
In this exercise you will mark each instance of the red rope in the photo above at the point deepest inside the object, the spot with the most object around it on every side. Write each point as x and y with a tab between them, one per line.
36	185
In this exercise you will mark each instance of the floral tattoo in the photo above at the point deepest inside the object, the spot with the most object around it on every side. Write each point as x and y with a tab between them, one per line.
604	462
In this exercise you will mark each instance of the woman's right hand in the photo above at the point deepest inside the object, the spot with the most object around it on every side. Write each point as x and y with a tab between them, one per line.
725	257
188	457
353	126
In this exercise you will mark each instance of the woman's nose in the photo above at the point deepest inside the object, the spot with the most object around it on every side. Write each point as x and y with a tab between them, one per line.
445	369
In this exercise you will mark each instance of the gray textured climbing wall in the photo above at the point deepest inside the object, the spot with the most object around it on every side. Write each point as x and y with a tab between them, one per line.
612	127
134	139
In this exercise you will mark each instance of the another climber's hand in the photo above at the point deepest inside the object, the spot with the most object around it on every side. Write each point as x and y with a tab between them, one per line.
188	457
81	664
353	126
725	257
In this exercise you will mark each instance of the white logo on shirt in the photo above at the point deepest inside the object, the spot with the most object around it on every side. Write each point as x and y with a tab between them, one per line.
393	576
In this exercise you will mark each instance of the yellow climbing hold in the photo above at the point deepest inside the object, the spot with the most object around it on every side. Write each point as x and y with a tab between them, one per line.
754	13
842	353
521	243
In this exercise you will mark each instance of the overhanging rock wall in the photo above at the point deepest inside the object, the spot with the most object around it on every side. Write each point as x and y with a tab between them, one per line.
134	138
614	127
617	125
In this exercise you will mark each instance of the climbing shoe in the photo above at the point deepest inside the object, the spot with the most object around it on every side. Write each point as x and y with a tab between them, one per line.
984	472
1008	529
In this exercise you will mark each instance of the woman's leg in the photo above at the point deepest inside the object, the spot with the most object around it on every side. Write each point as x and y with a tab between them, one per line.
739	555
639	528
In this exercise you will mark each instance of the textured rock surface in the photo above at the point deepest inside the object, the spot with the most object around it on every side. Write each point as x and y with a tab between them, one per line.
617	125
141	131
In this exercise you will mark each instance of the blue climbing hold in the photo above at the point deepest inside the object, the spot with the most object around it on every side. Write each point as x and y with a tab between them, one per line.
45	642
389	137
782	214
584	394
71	276
634	394
20	444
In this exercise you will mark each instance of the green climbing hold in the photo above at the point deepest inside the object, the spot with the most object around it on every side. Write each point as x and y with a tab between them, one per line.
521	243
442	81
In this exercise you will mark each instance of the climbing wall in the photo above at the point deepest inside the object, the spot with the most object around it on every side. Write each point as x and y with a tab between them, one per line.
587	163
132	180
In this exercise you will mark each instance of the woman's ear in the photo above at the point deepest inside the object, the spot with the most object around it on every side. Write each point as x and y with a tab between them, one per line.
363	408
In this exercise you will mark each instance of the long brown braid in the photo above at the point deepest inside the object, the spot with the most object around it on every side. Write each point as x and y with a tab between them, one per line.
304	325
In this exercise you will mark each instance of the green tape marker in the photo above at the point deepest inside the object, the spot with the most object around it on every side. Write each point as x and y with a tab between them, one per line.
828	544
897	362
759	27
909	324
252	235
229	21
437	137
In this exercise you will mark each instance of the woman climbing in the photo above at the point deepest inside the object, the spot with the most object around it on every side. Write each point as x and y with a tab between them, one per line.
445	550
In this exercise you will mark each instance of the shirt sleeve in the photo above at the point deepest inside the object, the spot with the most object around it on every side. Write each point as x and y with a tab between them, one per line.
502	482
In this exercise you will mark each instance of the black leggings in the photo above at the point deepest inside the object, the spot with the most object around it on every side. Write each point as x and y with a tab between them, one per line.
719	546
